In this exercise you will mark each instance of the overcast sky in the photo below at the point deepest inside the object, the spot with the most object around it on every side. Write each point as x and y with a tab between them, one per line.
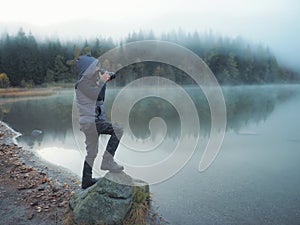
275	23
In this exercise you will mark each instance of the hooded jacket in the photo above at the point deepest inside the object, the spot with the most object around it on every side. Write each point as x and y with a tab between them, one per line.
90	97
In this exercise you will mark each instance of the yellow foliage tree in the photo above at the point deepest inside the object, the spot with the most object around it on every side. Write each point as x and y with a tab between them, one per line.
4	80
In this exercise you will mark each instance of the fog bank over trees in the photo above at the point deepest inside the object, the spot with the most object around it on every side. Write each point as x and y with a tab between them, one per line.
26	61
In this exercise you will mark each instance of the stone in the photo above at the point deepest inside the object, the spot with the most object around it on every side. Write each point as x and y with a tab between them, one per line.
108	201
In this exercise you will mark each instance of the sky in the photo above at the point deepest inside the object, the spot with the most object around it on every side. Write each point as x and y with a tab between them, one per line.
274	23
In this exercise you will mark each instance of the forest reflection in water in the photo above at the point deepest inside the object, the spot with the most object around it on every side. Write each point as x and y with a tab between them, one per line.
53	115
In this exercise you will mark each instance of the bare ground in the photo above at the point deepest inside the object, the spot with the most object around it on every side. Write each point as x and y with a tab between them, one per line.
31	192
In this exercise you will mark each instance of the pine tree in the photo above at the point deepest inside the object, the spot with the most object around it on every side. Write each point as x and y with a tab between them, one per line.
231	67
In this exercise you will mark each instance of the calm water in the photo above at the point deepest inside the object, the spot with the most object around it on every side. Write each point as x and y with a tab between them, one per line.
254	180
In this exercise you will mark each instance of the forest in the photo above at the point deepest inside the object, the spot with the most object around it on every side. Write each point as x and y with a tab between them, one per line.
27	62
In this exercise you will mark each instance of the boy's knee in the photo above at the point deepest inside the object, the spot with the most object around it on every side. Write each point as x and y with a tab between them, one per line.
118	130
91	155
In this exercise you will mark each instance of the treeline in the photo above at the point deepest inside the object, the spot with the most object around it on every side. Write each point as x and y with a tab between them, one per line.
27	62
24	61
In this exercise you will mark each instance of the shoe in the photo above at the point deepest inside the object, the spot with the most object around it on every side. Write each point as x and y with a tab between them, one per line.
108	163
88	182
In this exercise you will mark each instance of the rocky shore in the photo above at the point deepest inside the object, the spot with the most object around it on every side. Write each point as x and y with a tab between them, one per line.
31	191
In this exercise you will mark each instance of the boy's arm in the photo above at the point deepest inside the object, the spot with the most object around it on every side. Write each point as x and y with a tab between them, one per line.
89	88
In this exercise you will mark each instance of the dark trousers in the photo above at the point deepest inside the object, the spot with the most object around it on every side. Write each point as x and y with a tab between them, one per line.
92	138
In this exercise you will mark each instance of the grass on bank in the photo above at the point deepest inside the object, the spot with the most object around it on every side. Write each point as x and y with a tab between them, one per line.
44	90
24	92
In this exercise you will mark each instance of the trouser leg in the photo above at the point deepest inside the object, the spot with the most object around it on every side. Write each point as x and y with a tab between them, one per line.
91	141
115	132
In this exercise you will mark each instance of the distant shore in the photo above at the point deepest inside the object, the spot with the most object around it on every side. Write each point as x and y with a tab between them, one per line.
13	92
31	191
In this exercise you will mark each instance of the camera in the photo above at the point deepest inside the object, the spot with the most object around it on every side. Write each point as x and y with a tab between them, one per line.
111	74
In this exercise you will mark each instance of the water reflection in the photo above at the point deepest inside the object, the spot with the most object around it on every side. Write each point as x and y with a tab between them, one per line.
52	115
244	105
39	118
253	104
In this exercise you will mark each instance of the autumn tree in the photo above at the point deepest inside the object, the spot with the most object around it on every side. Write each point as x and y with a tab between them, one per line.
4	80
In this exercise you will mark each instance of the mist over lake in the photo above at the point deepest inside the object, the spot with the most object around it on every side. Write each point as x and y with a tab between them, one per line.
255	177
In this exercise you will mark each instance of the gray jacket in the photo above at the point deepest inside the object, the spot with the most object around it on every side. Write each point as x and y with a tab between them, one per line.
90	106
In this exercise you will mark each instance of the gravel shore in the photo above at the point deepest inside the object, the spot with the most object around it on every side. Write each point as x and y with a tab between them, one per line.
31	191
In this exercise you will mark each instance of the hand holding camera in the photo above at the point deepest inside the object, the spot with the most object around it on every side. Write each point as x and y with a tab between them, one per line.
106	76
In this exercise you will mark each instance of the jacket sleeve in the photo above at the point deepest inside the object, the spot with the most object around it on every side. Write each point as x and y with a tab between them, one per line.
89	88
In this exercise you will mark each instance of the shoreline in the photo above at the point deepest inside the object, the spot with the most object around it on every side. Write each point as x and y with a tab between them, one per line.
31	191
27	92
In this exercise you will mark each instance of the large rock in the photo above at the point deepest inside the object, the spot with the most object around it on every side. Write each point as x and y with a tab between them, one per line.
108	201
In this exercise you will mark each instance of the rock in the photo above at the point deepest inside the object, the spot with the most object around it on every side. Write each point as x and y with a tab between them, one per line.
108	201
36	133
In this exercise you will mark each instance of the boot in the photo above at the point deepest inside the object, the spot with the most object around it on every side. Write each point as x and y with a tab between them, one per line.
108	163
87	179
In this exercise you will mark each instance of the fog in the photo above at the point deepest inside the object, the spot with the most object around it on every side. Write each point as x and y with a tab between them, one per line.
268	22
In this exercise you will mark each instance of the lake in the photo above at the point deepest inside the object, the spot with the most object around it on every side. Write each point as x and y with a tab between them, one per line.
255	179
